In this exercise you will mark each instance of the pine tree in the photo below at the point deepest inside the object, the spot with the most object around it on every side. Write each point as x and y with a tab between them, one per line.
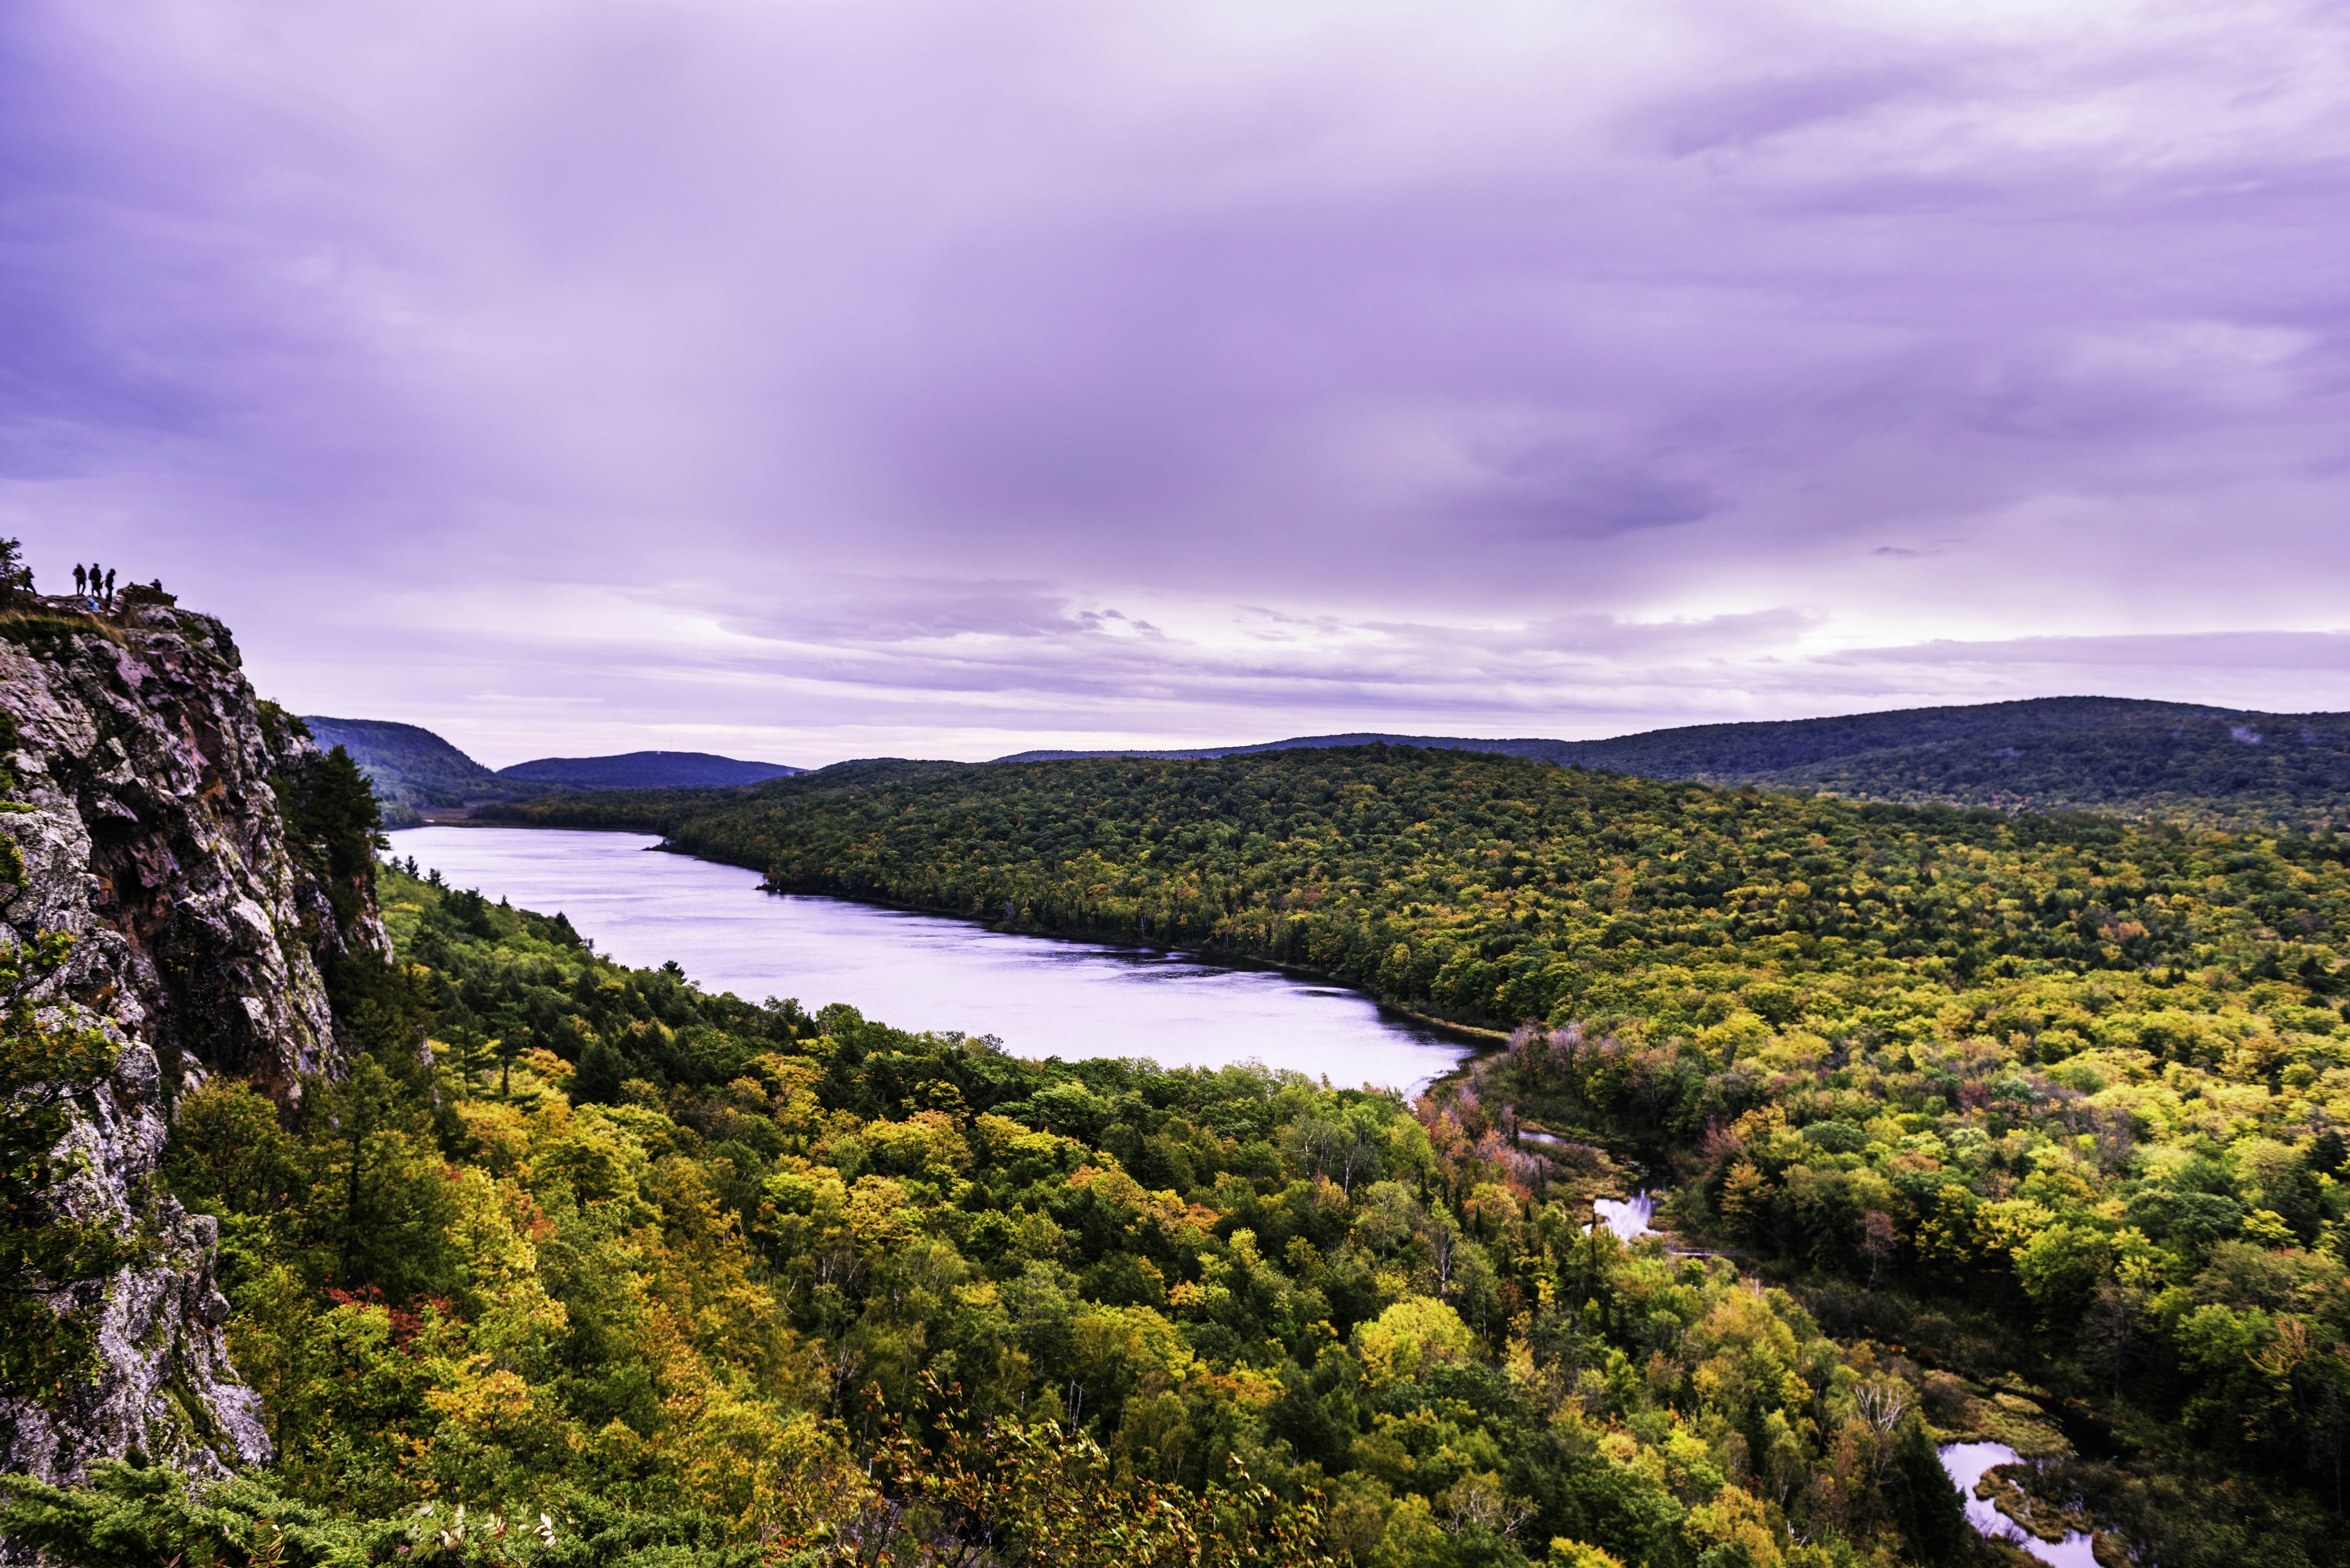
1925	1507
343	813
16	578
601	1072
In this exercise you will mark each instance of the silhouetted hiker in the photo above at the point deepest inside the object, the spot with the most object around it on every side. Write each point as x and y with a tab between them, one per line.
96	573
109	582
81	578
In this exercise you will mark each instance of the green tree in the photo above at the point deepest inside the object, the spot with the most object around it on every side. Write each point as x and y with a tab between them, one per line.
381	1204
1035	1492
1926	1508
16	577
602	1070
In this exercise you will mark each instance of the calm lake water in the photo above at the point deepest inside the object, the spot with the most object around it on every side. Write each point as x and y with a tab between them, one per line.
1042	997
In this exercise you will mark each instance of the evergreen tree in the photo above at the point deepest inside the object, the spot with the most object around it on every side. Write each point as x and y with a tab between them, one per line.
333	811
382	1203
16	578
345	813
1925	1507
602	1069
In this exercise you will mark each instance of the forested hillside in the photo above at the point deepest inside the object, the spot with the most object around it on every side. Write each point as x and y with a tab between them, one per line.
2164	761
2013	1129
413	769
631	1268
2172	760
645	770
2055	1097
1493	889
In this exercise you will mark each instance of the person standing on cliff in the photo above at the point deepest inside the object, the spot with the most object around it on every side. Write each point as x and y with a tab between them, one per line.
81	578
110	584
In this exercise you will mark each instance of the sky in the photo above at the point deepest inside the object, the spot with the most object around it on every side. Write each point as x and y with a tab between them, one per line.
807	379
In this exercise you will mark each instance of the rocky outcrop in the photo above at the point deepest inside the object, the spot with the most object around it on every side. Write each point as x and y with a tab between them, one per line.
165	1386
145	804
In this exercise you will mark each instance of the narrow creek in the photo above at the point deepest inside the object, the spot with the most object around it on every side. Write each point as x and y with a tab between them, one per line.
1965	1463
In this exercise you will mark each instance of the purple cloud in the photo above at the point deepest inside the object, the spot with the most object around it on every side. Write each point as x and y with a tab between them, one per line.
814	382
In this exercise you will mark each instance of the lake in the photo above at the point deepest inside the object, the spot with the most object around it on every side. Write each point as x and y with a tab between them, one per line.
1040	995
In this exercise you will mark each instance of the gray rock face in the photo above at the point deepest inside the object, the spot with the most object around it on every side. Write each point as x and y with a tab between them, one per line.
165	1385
149	828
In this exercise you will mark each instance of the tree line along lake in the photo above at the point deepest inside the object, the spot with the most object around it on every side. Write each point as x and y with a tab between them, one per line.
1039	996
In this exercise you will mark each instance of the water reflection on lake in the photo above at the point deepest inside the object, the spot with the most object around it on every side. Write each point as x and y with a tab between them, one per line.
1042	997
1966	1463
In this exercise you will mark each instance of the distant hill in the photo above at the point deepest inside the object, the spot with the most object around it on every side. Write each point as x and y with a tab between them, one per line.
1314	742
413	769
646	770
2172	760
2052	753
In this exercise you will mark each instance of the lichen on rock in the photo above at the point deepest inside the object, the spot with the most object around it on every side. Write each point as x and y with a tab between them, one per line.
147	796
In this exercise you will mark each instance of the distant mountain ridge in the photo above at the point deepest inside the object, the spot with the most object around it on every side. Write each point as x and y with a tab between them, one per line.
1513	748
2091	754
2135	758
647	770
414	770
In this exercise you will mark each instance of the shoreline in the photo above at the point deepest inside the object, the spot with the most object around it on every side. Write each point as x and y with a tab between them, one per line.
1477	1041
1486	1038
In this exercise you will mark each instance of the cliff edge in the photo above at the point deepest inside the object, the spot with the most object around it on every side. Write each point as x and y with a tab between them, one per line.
145	799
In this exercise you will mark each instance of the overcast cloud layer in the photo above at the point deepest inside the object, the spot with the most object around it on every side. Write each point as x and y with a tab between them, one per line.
814	380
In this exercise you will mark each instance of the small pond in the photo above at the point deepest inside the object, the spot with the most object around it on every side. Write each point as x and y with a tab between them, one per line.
1966	1463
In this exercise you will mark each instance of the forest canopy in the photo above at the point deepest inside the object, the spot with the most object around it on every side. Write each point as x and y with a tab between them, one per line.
2149	760
1493	889
631	1265
1970	1126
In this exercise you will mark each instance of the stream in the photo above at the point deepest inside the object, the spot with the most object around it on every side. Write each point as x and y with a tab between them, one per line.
1627	1217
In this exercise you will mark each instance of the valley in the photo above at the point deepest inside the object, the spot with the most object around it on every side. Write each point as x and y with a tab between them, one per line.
1026	785
1831	1144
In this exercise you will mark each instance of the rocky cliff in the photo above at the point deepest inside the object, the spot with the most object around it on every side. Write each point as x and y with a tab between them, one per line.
147	793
